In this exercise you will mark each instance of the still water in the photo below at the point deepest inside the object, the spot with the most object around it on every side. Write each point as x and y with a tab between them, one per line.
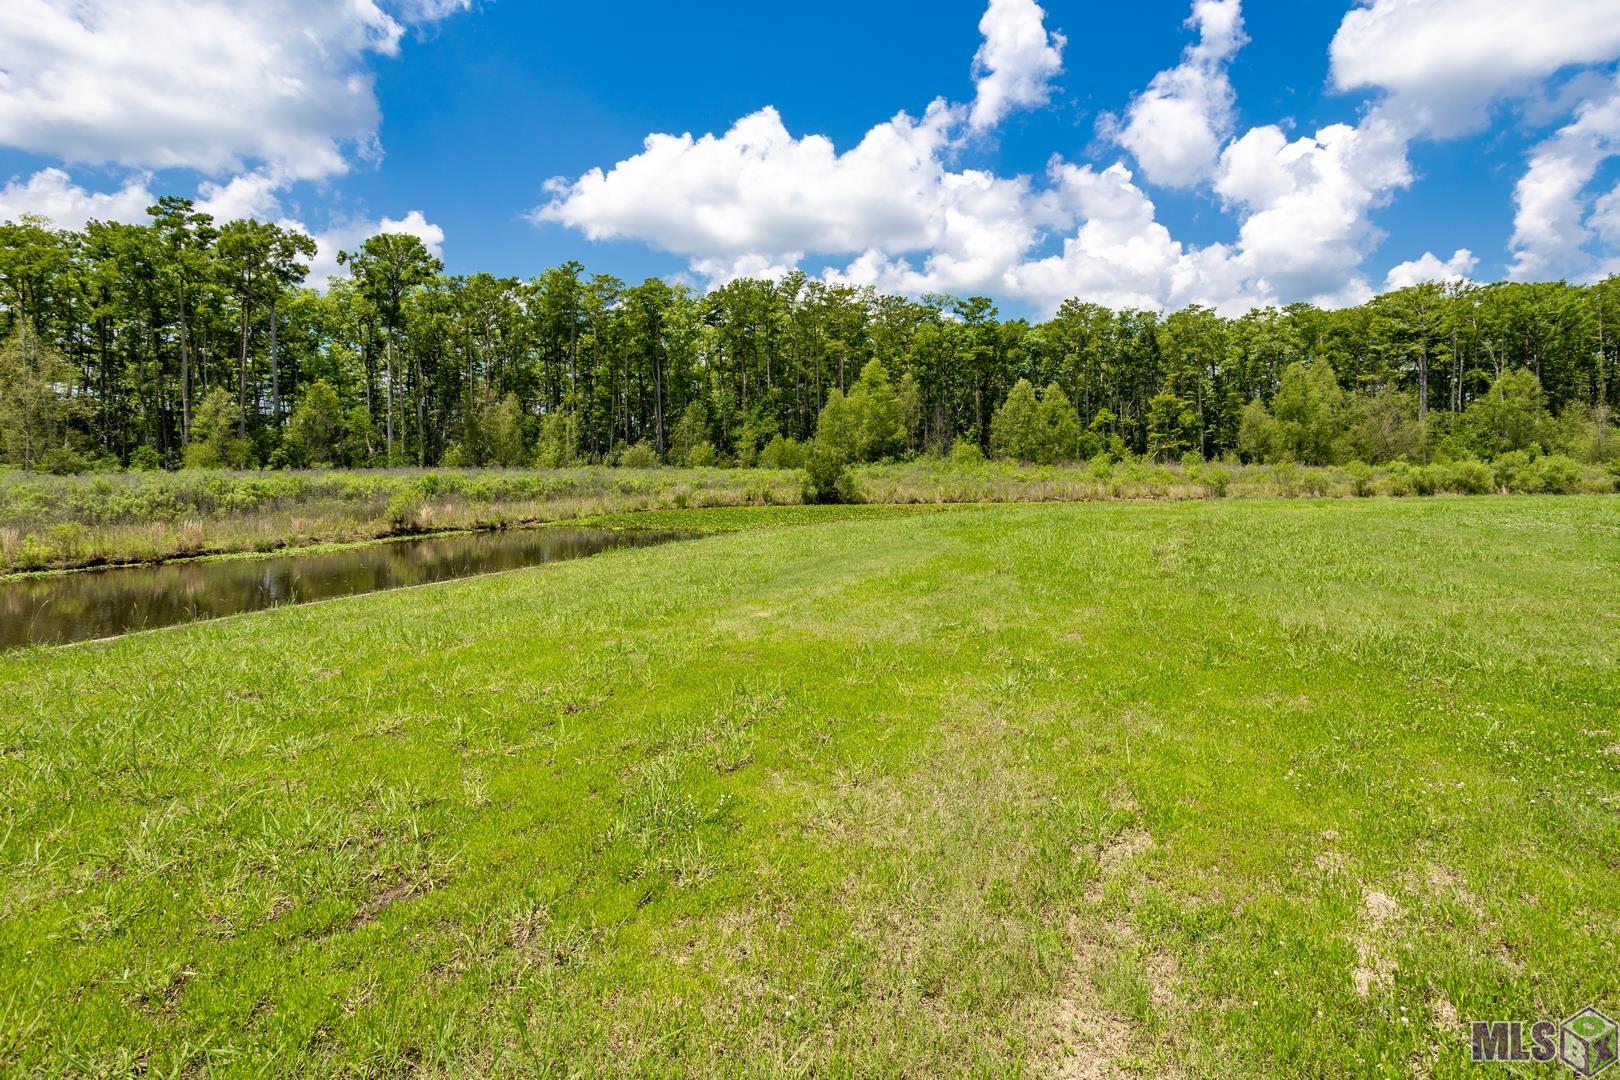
104	603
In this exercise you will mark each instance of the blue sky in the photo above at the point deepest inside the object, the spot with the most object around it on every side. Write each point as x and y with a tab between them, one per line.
1463	137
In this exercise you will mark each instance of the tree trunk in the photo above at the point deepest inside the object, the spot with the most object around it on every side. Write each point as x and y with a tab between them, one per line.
421	411
275	370
1423	384
1423	398
185	373
1203	433
241	387
1602	356
658	401
388	365
1456	374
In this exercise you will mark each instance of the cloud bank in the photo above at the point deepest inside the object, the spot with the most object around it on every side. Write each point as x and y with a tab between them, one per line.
256	96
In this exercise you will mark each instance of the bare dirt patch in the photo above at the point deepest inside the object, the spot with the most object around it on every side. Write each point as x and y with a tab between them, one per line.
1087	1039
1374	969
1447	884
382	902
1330	862
1162	973
1113	858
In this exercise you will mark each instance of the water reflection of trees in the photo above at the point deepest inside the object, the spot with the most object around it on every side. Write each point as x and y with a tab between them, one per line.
82	606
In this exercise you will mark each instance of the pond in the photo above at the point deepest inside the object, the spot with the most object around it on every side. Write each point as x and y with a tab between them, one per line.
97	604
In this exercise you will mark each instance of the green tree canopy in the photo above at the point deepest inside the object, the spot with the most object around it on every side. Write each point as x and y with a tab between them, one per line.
315	429
1014	433
874	415
216	441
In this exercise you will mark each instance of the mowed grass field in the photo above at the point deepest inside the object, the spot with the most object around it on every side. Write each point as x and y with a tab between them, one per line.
1216	788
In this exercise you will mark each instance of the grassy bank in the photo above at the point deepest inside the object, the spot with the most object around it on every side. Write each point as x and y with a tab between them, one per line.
65	522
49	523
1229	788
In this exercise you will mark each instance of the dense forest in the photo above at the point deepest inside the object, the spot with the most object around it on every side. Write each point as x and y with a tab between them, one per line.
187	342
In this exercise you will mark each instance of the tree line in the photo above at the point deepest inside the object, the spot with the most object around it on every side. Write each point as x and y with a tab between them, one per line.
187	342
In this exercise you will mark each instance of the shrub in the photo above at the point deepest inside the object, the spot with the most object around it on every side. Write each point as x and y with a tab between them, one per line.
1171	426
1212	478
1261	438
1471	478
404	510
60	461
1384	427
216	443
558	447
688	432
1400	482
639	456
826	475
874	413
1511	417
314	429
145	459
1361	478
1515	471
1057	428
965	454
1558	475
782	453
1427	479
34	554
702	456
836	425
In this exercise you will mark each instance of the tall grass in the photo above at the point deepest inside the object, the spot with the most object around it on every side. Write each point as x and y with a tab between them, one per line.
50	522
939	481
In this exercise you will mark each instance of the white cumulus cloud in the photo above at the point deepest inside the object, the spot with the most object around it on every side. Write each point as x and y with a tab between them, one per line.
899	212
428	11
759	190
1306	204
759	200
1550	233
1175	128
52	193
252	195
1430	267
350	235
215	85
1606	221
1442	64
1447	60
1017	62
1122	256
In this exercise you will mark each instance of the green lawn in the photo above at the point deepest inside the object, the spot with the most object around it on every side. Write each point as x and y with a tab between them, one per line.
1251	788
